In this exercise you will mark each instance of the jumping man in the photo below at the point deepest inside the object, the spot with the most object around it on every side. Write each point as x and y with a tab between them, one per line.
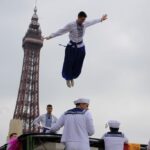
75	49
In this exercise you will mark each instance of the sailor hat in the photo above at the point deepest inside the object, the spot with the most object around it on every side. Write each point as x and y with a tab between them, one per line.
82	100
113	124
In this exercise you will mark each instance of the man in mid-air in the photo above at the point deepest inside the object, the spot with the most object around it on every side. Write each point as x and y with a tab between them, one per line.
75	49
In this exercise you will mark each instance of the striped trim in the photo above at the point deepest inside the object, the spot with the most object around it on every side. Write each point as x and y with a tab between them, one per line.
79	45
75	112
114	135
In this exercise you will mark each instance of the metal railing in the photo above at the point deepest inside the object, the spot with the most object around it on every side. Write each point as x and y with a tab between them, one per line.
28	142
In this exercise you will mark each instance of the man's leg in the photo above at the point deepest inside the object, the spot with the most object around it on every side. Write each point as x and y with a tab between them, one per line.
67	71
72	82
77	146
77	68
69	83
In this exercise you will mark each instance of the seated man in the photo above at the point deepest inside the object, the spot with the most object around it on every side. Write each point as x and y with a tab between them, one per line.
114	140
45	121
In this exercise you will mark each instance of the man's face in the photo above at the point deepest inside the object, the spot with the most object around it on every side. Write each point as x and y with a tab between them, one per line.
49	110
84	106
81	20
14	136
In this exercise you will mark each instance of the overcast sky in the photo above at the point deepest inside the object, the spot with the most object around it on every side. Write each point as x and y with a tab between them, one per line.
116	72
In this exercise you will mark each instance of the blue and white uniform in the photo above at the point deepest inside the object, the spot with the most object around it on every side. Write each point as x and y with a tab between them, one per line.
75	50
148	147
78	126
114	140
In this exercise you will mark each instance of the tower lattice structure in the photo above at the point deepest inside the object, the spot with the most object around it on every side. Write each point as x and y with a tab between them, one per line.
27	105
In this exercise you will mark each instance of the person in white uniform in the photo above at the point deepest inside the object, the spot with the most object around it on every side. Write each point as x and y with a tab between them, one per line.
75	50
148	147
78	126
114	140
45	121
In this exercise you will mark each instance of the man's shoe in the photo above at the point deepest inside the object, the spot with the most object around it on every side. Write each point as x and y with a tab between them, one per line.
68	82
72	83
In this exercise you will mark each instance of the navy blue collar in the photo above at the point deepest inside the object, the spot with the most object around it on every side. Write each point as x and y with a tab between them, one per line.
76	111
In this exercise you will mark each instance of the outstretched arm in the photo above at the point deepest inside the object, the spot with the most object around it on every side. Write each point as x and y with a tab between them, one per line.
89	124
58	124
90	23
59	32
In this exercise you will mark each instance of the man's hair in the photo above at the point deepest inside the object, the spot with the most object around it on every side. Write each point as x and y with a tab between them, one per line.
49	105
82	14
78	104
114	129
12	134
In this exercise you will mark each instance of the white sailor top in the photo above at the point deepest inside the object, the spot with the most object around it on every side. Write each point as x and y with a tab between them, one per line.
78	126
114	141
148	147
76	31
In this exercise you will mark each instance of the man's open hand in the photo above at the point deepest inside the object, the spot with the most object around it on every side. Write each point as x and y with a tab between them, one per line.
104	17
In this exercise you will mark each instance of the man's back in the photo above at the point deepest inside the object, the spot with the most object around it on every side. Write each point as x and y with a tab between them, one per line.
78	125
114	141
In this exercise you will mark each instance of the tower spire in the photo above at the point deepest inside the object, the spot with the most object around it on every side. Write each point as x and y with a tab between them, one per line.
35	8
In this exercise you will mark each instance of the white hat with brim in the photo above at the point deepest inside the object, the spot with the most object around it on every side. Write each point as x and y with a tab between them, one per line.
114	124
82	101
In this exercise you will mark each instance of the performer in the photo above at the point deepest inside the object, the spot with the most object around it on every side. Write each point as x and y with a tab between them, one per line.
114	140
78	126
148	147
13	142
75	50
45	120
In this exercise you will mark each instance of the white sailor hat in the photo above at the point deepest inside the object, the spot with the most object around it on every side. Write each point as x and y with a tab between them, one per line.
82	100
113	124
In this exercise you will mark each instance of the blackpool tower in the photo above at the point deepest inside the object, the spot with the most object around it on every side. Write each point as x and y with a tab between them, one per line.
27	105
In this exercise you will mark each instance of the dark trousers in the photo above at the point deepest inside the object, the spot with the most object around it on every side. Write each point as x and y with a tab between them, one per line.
74	58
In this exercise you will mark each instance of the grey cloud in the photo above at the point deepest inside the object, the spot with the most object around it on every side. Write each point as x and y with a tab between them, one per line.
116	69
